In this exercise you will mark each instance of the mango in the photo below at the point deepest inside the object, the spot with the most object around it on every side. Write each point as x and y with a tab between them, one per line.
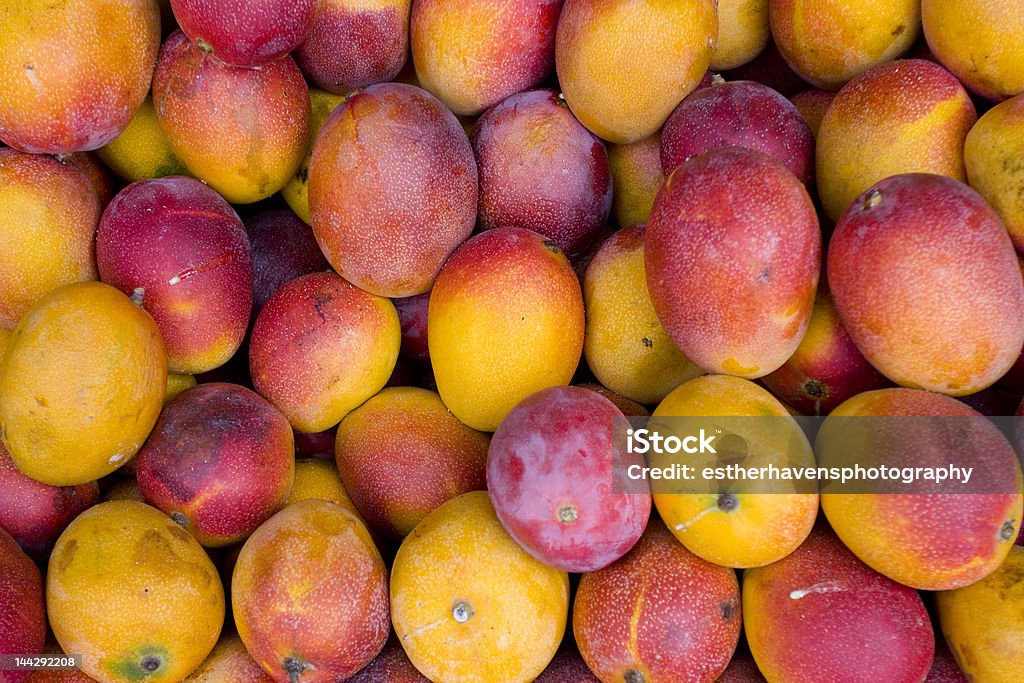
122	581
820	614
402	454
891	266
141	151
622	89
742	669
242	131
392	189
980	41
48	218
732	252
229	661
984	623
636	179
296	191
660	614
81	384
220	462
391	665
182	251
541	169
830	42
505	320
743	32
22	614
320	347
316	478
412	313
283	248
309	594
469	605
177	383
356	43
567	667
472	54
627	407
626	347
991	155
812	105
908	116
73	73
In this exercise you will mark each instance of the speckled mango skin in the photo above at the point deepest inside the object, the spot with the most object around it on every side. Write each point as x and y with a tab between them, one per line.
761	528
829	42
517	607
732	252
636	179
980	41
626	347
505	320
229	661
220	461
567	667
541	169
73	73
930	541
320	347
743	32
992	155
141	151
821	615
739	114
623	89
391	665
812	105
186	248
242	131
826	369
628	617
473	54
296	191
247	32
356	43
22	612
392	189
48	218
283	248
309	585
984	623
402	454
926	282
908	116
121	582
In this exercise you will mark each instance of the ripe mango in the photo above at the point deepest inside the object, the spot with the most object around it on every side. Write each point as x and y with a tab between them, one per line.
22	615
992	154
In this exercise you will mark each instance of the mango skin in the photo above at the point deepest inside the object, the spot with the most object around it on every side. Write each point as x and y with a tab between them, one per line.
984	623
820	614
743	32
48	218
627	617
242	131
306	581
992	154
980	41
621	89
392	189
626	347
930	541
812	105
22	613
472	54
229	661
636	179
73	73
505	320
296	191
908	116
917	229
830	42
283	248
567	667
732	251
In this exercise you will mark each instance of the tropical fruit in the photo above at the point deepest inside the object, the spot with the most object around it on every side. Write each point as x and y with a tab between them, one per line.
991	151
296	191
229	661
22	613
141	151
743	32
283	248
636	179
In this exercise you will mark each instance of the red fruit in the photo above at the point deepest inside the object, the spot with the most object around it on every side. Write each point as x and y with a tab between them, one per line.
739	114
392	665
820	614
549	474
659	614
283	248
541	169
412	313
567	667
22	614
185	248
246	32
35	514
732	252
356	44
220	462
944	667
742	669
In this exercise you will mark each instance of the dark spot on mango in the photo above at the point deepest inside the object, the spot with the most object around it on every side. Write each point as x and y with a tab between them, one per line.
728	610
647	342
179	519
303	174
633	676
816	389
143	664
552	246
65	557
727	502
1007	531
899	30
294	667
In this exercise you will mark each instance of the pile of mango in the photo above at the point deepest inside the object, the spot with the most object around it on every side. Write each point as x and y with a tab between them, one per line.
317	318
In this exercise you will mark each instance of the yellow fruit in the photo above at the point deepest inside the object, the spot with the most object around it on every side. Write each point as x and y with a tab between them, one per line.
81	384
742	32
126	489
636	179
177	383
296	190
626	347
469	605
315	478
141	151
984	623
133	593
992	154
229	663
